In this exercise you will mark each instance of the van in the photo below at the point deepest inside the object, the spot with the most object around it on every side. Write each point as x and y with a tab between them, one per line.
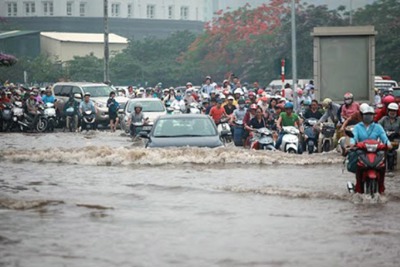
99	92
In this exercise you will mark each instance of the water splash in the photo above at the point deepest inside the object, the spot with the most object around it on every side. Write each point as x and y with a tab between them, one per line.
111	156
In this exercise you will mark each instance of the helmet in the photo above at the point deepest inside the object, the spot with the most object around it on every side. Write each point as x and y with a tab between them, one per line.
189	84
241	101
208	78
299	92
368	110
138	105
307	102
253	106
252	93
260	91
327	102
231	98
86	94
166	90
393	106
387	100
238	91
225	92
222	97
348	96
288	105
363	107
264	99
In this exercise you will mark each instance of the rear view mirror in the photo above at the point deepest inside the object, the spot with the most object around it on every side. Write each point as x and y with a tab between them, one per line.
78	96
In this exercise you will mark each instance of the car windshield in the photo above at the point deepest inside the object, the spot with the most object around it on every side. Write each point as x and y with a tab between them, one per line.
98	91
184	127
148	106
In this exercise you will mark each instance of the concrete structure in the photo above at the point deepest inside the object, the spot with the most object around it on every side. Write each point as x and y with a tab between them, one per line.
63	46
344	61
20	43
141	9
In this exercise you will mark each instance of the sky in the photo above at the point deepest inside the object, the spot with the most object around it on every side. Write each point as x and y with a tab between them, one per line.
222	4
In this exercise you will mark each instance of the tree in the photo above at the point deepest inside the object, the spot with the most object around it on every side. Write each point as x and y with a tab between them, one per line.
87	68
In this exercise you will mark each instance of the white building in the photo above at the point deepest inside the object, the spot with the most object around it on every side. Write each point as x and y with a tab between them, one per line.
63	46
197	10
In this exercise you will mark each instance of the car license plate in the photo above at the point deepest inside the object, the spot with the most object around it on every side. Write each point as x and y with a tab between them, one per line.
147	128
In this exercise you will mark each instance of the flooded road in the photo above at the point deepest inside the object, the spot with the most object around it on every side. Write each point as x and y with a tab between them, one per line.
96	200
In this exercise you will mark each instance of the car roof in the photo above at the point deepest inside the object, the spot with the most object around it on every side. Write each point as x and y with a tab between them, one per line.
81	84
144	99
184	116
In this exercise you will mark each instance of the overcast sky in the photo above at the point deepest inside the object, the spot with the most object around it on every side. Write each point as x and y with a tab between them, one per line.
222	4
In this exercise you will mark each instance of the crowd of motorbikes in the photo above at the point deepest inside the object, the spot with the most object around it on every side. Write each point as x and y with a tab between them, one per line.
15	118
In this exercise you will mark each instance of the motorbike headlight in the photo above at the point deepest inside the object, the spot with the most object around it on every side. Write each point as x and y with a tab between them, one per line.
371	148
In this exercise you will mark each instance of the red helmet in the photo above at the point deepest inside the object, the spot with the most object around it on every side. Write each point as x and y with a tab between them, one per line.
226	92
253	106
252	93
260	91
348	96
299	92
388	99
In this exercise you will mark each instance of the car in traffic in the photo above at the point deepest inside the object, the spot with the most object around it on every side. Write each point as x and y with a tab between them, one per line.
99	92
152	108
193	130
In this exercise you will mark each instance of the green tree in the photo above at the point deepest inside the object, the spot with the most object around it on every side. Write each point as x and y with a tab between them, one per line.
87	68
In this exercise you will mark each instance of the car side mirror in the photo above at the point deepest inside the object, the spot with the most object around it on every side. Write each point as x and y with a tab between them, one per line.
78	96
144	134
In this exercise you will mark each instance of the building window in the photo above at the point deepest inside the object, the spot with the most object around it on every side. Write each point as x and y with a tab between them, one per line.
12	9
151	10
184	12
82	9
30	9
48	9
115	10
171	12
130	10
69	8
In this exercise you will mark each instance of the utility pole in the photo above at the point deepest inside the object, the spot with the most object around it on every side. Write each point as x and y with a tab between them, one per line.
351	12
106	48
294	56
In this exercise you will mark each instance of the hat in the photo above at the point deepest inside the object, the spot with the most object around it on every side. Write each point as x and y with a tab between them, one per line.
231	98
86	94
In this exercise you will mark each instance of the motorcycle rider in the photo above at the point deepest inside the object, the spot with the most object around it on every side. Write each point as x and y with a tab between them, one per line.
170	97
32	108
368	129
313	111
349	107
257	122
383	110
85	105
391	122
136	117
48	97
3	100
74	104
331	111
240	112
286	118
229	107
217	112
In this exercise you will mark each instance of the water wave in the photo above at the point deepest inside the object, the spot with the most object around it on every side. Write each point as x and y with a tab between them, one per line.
17	204
116	156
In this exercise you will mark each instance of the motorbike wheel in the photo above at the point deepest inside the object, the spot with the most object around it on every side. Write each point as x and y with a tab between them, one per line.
50	125
291	151
326	147
310	147
371	187
41	125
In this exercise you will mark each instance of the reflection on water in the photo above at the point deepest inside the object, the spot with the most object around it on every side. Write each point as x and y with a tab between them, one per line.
59	208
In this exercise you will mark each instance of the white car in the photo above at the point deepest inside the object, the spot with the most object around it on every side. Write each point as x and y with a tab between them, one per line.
152	109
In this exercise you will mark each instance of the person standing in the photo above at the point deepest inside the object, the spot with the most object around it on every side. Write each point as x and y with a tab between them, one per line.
113	107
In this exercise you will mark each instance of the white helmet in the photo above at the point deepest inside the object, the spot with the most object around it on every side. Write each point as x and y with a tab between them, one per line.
363	107
222	96
393	106
368	110
238	91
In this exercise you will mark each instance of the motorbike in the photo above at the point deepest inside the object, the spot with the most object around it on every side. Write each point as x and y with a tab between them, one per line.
6	116
238	132
370	165
194	108
391	155
71	122
25	121
50	114
174	110
262	140
310	135
223	127
88	120
344	141
290	141
327	131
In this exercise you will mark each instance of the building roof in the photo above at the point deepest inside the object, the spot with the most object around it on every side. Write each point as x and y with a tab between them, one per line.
11	34
85	37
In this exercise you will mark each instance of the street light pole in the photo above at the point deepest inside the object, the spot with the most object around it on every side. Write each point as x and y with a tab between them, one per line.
294	56
106	48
